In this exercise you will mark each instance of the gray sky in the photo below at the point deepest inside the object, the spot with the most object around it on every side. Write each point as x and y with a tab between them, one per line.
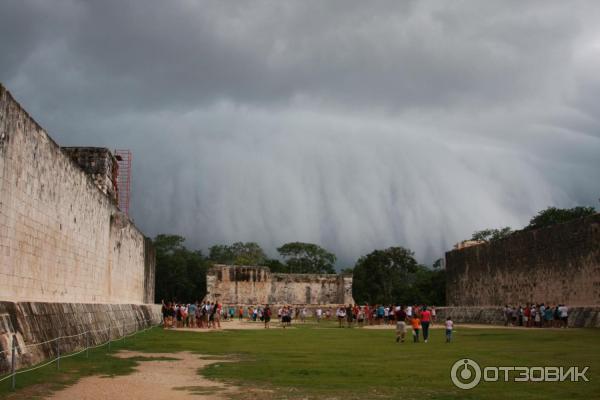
356	125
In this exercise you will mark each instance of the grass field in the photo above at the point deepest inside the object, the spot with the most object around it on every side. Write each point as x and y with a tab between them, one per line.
323	361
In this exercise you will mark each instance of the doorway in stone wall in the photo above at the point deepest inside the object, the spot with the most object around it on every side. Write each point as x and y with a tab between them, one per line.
308	295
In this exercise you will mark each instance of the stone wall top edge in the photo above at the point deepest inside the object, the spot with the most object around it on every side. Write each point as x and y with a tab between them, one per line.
5	92
216	267
518	235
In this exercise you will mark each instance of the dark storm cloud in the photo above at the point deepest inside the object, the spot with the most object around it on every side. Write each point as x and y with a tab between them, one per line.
356	125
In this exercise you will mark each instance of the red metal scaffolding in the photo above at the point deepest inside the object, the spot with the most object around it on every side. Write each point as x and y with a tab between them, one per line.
124	179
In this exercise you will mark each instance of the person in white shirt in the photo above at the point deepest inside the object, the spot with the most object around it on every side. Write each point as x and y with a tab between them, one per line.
449	327
564	315
319	314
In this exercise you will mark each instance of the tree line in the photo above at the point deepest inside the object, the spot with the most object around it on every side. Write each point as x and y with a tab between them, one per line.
384	276
544	218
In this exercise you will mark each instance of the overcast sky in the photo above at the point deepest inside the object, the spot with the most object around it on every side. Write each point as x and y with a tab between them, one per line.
356	125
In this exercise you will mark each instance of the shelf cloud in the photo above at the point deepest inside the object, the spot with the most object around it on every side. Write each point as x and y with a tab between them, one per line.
349	124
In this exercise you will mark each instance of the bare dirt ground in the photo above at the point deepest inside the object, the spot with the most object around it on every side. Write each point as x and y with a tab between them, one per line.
235	324
156	379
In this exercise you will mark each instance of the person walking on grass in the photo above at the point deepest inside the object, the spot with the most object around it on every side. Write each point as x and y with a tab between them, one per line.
416	327
400	325
341	315
425	322
267	315
349	316
449	327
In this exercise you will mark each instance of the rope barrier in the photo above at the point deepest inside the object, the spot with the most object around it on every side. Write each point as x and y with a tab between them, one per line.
146	322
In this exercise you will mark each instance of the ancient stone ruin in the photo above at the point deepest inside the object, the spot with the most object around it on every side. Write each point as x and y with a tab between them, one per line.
251	285
552	265
70	260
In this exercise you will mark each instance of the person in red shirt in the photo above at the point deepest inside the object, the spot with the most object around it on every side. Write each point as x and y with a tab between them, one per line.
425	322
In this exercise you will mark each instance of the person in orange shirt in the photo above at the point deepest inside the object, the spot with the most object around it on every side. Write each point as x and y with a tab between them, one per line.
416	327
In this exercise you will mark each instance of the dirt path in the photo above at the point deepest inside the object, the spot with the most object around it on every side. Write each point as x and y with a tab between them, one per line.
157	379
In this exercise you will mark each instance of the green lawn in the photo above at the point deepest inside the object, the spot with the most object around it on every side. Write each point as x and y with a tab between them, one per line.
329	362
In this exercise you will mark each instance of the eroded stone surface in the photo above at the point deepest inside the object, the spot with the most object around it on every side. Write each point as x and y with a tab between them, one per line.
558	264
251	285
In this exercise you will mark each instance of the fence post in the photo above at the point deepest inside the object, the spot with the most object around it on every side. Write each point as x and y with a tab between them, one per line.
14	361
87	344
58	353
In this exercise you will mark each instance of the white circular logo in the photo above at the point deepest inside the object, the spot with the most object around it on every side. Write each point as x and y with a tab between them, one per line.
465	374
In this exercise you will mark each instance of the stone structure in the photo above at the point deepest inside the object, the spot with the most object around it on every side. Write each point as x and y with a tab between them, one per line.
100	164
70	261
243	285
557	264
33	323
61	238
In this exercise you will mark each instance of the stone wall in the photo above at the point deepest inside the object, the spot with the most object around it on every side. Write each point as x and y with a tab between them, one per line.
579	317
34	323
558	264
100	164
245	285
61	238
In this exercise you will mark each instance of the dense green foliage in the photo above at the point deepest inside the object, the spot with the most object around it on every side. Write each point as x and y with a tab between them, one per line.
489	235
313	361
548	217
393	276
552	215
307	258
238	253
180	273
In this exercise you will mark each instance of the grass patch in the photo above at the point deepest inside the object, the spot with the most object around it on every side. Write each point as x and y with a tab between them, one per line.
356	363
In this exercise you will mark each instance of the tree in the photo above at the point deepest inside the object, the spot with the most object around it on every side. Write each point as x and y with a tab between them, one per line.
249	253
307	258
552	215
384	276
276	266
489	235
180	273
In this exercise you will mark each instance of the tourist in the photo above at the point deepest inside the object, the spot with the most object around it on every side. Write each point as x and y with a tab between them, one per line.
380	314
548	317
416	326
267	314
449	327
534	316
218	314
433	314
240	313
341	315
400	324
192	315
526	315
303	314
425	321
286	316
319	314
564	315
199	315
521	315
360	318
349	315
515	316
178	315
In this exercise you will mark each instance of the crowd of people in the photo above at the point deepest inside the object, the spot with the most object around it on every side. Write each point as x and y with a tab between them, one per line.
210	314
537	315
